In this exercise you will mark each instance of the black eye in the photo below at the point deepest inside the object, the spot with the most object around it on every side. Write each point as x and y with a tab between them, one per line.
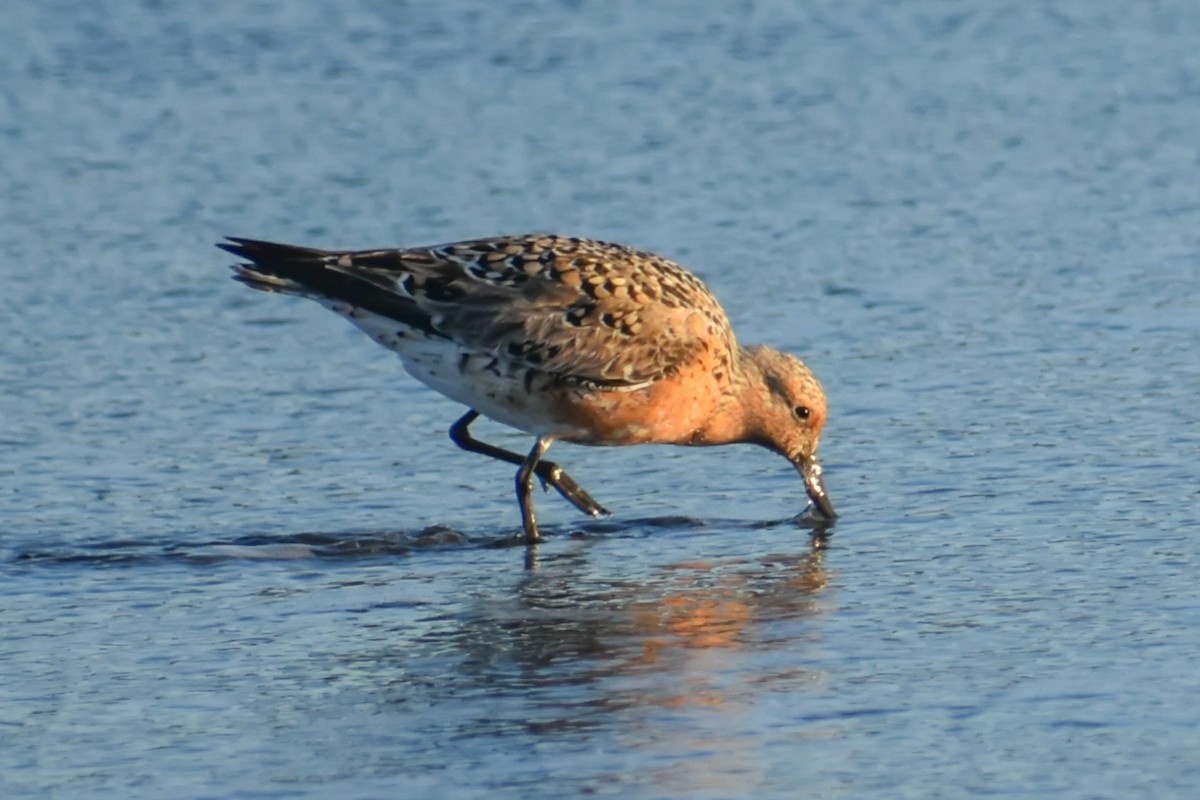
802	412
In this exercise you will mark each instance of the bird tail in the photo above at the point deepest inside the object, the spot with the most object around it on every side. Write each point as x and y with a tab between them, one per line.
321	276
275	267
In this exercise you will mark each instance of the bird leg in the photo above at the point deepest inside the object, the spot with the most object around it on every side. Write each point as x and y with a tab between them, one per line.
525	488
548	472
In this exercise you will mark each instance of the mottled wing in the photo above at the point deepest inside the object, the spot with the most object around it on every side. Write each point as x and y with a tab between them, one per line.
586	311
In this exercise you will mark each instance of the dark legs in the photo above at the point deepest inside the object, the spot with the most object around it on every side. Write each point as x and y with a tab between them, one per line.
525	488
548	472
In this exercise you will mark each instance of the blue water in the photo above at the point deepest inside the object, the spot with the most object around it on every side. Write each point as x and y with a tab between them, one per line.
240	558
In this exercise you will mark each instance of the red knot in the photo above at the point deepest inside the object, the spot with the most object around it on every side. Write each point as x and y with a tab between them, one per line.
566	339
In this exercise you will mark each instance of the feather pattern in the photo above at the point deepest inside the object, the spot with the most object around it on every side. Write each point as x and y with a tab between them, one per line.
583	311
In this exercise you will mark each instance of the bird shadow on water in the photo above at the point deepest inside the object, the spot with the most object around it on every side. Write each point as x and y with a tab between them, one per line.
351	544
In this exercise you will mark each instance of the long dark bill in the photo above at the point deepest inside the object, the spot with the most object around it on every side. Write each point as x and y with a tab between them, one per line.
814	484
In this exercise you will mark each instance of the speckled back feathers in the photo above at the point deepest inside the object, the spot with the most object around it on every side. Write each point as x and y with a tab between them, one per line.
585	311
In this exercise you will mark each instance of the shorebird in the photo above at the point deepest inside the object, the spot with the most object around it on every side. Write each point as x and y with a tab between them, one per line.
564	338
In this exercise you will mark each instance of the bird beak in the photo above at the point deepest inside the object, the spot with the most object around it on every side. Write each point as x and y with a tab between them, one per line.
814	484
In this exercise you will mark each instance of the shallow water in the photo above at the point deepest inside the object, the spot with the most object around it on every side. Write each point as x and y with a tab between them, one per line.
239	557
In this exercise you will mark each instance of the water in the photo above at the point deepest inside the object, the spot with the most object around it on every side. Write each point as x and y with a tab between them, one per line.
239	558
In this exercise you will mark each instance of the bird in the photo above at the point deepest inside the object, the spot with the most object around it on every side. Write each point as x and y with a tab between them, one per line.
567	339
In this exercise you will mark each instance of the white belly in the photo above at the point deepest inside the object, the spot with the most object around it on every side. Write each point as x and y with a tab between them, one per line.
499	390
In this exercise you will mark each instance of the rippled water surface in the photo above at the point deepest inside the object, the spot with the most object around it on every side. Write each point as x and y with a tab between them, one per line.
240	558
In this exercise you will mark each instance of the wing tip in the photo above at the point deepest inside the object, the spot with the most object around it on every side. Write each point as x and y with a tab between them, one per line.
265	282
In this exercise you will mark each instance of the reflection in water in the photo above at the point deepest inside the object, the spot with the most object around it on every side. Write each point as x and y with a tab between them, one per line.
584	654
700	644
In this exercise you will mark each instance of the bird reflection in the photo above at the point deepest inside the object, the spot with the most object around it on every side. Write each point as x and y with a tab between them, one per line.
569	624
709	643
677	661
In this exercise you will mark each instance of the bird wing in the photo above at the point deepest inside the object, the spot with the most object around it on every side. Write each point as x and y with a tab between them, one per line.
588	312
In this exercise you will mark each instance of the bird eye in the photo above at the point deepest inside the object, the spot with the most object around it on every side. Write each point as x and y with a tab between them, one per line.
802	412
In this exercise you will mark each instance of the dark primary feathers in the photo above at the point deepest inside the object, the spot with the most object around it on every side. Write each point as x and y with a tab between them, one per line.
585	310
